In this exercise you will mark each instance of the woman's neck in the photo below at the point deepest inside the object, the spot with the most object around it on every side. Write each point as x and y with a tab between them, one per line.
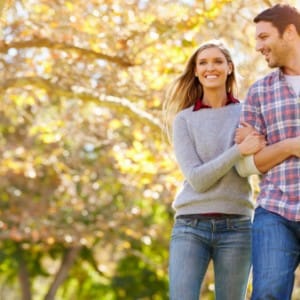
215	99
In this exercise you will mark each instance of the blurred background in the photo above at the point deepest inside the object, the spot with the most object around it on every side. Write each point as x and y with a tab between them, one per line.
87	174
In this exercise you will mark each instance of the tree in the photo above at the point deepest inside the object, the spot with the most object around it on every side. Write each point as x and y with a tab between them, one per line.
87	176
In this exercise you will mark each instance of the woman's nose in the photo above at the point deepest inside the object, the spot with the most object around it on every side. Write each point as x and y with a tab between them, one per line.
210	66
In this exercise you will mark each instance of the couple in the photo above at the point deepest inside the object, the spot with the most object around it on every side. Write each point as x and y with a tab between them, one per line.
213	208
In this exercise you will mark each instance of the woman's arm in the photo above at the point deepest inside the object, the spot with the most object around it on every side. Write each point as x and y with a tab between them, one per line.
246	166
203	175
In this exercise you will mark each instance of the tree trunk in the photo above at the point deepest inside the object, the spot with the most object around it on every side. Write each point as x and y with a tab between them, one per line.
23	274
67	262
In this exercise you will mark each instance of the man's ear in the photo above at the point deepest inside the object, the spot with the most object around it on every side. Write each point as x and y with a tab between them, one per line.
290	32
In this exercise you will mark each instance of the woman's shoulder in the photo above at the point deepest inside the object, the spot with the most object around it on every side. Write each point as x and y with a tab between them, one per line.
184	113
236	106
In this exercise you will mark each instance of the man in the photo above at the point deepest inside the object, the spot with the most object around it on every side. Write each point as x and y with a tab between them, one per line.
272	107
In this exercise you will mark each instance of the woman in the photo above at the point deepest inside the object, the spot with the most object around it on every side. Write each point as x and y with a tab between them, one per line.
213	208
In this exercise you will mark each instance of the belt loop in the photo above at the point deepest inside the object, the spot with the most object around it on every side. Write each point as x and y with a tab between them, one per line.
195	222
228	223
213	225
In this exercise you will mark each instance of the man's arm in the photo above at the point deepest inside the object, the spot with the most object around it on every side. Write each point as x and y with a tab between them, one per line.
274	154
271	155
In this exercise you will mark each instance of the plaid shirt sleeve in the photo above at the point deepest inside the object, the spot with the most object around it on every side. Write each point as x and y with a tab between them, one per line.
251	110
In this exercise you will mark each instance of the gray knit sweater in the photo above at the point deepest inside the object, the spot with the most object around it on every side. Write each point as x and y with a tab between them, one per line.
206	154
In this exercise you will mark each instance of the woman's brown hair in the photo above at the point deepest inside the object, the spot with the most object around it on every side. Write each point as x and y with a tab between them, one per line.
186	89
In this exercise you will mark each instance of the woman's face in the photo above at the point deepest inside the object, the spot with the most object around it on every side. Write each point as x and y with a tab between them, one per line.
212	69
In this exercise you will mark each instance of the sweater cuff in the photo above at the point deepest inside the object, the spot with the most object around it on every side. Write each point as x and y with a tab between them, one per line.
246	166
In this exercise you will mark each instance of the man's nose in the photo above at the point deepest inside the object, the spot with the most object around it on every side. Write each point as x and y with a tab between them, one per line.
258	46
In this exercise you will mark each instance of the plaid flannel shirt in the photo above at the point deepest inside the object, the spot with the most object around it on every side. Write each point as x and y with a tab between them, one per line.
273	108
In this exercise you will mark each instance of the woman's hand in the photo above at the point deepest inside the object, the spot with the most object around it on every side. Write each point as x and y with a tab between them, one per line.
253	143
242	132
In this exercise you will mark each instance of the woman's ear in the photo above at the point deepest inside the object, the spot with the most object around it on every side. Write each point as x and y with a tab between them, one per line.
230	69
195	70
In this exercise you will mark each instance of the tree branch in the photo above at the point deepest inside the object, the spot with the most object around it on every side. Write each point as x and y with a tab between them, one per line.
107	100
43	42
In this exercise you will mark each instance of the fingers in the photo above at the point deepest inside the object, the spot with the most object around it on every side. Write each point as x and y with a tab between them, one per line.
245	124
252	135
252	144
238	138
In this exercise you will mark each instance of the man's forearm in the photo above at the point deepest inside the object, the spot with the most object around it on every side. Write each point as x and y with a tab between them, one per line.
272	155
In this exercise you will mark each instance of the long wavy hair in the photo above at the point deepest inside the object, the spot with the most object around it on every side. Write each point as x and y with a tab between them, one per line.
186	89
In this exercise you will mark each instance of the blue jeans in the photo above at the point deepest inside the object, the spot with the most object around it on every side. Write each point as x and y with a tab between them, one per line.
227	242
276	251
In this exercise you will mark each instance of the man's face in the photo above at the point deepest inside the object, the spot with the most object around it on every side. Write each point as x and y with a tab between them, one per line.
269	43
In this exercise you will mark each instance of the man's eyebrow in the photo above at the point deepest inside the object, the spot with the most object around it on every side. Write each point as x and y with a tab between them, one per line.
261	34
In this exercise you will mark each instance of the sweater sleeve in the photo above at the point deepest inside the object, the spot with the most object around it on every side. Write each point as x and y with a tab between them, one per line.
246	166
200	175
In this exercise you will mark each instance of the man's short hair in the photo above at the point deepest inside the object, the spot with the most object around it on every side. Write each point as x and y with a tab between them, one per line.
280	15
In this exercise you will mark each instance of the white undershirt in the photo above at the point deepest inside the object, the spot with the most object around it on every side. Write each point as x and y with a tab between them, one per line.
294	82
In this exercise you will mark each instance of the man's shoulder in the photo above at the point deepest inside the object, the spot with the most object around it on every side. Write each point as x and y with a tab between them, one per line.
268	80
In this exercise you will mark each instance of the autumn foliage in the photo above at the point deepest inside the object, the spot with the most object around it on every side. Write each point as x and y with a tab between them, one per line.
87	175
